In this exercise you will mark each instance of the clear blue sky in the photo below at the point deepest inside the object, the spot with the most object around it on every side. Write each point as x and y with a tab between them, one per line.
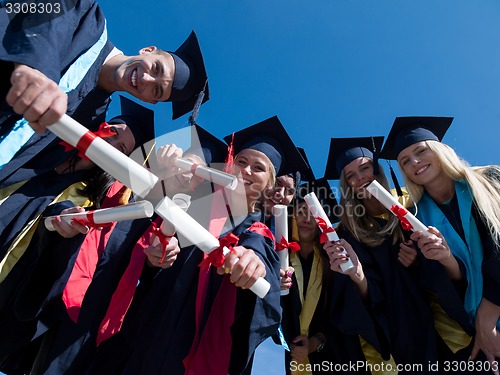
332	68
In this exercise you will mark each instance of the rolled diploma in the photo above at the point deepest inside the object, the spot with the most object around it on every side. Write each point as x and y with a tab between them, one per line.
317	211
117	164
181	200
210	174
130	211
199	236
388	200
281	230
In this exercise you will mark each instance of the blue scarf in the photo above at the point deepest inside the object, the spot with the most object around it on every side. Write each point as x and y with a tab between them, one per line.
471	252
12	142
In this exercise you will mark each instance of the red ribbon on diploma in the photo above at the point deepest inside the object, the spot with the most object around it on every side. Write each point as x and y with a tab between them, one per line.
217	257
400	213
164	240
284	244
89	221
84	142
325	229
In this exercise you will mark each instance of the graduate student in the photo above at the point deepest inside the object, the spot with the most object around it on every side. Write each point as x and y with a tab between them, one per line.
73	68
305	315
23	237
380	288
460	205
194	314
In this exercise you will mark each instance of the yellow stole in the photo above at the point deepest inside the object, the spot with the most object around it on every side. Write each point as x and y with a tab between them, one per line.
449	330
313	292
21	242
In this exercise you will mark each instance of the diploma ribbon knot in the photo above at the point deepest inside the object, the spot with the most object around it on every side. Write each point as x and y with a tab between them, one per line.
325	229
400	213
217	256
164	240
84	142
90	222
284	244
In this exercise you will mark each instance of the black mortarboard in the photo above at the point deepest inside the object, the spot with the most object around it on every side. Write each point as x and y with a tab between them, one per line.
139	119
324	193
410	130
307	174
345	150
207	146
190	77
270	138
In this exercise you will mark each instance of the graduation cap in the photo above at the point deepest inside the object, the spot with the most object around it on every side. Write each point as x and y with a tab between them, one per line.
307	174
140	120
190	77
207	146
270	138
345	150
323	192
410	130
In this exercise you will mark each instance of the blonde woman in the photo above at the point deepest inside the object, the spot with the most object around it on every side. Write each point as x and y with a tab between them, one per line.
462	206
380	288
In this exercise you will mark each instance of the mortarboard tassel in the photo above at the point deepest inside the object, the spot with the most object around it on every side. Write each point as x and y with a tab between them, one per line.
395	181
197	105
375	152
229	167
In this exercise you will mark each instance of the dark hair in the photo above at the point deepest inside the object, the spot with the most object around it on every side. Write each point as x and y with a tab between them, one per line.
98	184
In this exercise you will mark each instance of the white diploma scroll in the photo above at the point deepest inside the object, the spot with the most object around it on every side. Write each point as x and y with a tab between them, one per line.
103	216
324	223
117	164
280	213
210	174
408	220
181	200
199	236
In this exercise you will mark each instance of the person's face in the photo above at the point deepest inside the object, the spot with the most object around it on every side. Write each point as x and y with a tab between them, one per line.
148	76
123	140
306	224
420	163
282	193
253	171
185	182
359	174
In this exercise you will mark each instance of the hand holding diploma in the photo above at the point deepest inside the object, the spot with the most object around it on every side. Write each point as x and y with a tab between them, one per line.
210	174
327	229
96	218
166	231
202	238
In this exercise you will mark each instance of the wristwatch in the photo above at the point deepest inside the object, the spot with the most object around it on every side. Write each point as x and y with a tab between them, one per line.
321	343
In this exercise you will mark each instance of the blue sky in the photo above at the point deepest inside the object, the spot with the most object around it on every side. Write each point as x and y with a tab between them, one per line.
331	68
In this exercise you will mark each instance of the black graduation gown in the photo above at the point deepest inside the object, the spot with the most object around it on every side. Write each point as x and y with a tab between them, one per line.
30	200
290	322
400	312
66	36
68	347
159	328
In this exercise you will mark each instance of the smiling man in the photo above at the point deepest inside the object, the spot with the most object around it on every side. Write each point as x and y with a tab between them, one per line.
51	64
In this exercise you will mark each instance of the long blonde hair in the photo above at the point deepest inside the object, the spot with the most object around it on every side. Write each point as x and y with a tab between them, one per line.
366	228
484	183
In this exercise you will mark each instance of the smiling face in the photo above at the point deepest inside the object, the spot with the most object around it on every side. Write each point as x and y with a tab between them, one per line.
359	173
148	76
253	170
420	164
